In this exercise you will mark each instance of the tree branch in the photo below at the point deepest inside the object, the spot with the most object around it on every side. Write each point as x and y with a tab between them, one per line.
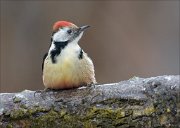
138	102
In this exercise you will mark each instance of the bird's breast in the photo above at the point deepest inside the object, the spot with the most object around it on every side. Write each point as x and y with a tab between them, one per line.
64	73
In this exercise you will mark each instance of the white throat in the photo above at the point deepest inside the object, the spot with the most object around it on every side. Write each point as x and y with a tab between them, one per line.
71	45
71	50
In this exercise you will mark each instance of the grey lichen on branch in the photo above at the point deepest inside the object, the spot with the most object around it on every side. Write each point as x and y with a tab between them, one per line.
138	102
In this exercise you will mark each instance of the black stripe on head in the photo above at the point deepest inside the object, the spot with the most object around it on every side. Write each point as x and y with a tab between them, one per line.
80	54
57	50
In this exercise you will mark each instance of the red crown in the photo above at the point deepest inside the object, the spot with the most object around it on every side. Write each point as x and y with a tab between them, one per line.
60	24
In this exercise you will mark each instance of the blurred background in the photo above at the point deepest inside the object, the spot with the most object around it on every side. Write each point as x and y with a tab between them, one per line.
126	38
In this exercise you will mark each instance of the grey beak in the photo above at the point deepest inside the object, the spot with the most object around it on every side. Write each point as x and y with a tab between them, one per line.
82	28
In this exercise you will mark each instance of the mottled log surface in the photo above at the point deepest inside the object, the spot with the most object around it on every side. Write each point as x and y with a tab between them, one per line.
138	102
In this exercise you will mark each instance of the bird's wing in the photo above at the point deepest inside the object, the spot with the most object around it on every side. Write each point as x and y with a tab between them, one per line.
45	55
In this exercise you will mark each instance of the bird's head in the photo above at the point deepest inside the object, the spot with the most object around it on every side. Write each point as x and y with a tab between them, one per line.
66	31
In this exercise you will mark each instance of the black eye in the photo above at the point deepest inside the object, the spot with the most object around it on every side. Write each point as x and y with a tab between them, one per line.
69	31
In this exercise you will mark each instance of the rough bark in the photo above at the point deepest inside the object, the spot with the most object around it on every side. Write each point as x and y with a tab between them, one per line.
138	102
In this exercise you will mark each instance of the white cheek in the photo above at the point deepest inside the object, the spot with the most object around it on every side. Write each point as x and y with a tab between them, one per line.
60	36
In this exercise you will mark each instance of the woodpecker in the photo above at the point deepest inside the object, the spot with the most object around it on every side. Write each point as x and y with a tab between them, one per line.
66	65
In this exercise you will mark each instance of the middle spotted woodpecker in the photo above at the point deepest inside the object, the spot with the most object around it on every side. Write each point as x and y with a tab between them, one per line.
66	65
